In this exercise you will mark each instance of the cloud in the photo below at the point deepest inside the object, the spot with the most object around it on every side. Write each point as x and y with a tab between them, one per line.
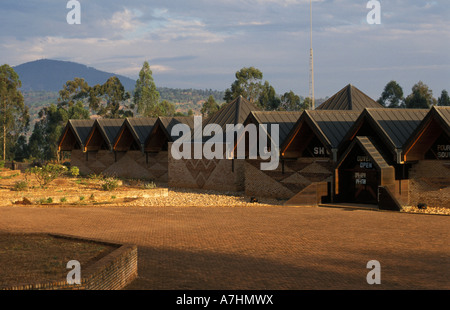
200	42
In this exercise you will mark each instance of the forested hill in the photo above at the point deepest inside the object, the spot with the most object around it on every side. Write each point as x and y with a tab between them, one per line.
50	75
43	79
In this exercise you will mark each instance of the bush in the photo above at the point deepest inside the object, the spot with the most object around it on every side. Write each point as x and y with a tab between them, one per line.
20	186
2	164
74	171
47	173
110	184
149	185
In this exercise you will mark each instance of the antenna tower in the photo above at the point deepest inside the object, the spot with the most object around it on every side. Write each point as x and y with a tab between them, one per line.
311	62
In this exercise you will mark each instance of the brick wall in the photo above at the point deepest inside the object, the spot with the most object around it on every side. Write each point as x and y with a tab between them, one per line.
212	174
131	164
284	183
112	272
430	183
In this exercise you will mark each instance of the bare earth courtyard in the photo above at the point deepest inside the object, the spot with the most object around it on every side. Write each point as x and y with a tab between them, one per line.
256	246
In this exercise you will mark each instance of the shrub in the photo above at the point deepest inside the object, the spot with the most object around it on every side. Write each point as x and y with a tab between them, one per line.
2	164
20	186
110	184
47	173
81	198
149	185
63	199
74	171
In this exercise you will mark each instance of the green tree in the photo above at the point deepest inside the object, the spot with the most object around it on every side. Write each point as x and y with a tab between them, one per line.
268	99
420	98
114	95
292	102
209	107
248	84
146	96
392	95
190	112
444	99
47	130
15	118
75	91
307	103
164	108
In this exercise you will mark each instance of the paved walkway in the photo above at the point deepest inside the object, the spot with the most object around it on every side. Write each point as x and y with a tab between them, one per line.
259	248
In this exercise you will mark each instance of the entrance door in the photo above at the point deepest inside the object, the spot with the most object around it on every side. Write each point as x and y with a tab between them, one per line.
366	186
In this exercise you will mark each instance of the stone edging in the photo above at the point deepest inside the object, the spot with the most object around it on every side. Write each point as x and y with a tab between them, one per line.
112	272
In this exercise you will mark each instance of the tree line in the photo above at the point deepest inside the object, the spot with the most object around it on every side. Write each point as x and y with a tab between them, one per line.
78	100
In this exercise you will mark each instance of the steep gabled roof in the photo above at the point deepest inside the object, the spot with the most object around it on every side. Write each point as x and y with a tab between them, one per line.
139	128
80	130
284	119
441	117
392	126
166	123
108	128
333	124
235	112
169	122
397	124
444	116
329	126
349	98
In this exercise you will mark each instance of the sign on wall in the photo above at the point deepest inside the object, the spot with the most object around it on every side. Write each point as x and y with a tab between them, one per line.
360	178
443	151
364	162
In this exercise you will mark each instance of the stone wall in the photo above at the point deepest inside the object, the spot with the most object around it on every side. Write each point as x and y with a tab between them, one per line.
430	183
285	183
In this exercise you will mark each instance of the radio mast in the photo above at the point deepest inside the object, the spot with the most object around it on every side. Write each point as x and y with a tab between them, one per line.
311	61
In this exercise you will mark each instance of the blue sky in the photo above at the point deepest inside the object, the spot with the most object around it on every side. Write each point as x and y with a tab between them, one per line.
201	44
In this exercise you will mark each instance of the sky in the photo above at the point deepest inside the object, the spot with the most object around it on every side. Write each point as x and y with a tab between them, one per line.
202	44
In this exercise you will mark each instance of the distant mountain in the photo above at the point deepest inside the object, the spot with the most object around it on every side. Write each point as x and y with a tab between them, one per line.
51	75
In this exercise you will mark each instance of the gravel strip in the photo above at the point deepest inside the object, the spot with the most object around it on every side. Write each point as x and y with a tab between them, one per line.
179	197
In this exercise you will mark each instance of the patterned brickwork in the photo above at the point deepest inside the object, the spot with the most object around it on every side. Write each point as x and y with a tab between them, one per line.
285	183
430	183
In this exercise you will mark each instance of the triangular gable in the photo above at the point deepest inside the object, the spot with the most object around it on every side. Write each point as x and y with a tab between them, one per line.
390	127
127	138
435	126
74	135
161	132
103	134
349	98
133	133
328	126
301	135
235	112
285	121
371	150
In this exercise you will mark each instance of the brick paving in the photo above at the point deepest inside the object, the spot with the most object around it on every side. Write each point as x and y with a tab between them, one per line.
259	247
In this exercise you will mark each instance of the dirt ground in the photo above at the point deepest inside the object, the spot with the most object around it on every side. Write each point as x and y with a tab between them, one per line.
39	259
